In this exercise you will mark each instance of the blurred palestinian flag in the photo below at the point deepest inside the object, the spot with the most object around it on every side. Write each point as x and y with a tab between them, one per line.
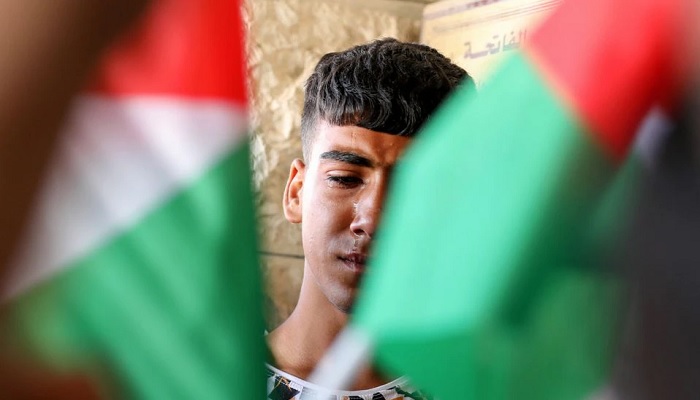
140	267
489	281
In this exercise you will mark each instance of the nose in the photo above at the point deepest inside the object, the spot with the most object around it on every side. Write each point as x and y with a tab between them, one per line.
368	210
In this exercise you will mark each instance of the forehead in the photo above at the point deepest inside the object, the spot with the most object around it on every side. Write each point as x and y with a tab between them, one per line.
381	148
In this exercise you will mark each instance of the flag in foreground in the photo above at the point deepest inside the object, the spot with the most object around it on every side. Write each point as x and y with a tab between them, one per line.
486	282
141	262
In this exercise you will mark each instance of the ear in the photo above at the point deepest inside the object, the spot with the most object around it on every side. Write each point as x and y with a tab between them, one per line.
292	192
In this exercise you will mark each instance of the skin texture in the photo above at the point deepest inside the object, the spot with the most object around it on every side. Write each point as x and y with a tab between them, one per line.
337	197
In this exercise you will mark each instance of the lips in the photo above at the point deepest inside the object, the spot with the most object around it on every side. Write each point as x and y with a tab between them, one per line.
355	261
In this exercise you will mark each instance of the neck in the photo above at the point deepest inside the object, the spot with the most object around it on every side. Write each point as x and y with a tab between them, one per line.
301	341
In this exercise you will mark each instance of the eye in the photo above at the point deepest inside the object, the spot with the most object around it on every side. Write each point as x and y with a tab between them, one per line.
343	182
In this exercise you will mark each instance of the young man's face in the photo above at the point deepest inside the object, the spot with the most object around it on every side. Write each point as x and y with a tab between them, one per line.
338	196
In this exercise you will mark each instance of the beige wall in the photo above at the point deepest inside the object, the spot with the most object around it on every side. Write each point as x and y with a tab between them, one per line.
286	38
478	36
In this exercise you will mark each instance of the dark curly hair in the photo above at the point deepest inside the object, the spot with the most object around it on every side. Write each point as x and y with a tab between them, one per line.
386	85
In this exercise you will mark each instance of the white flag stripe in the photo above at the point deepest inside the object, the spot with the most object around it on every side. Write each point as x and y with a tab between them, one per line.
351	351
119	159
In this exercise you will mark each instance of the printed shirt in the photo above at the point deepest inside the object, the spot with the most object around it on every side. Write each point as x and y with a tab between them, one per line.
283	386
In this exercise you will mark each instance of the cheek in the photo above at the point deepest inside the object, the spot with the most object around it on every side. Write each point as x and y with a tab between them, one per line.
327	214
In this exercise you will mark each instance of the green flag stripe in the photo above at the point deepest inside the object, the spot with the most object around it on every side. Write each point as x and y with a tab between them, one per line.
173	302
159	344
495	179
483	229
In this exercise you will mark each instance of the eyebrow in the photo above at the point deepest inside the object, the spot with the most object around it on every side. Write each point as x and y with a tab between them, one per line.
347	157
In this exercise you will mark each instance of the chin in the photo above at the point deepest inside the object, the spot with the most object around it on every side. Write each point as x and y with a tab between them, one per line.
342	297
344	305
